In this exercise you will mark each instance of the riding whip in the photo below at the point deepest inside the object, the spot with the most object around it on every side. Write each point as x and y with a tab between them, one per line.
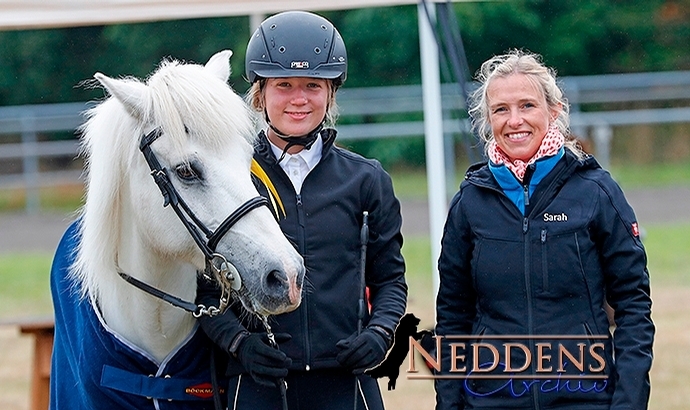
363	241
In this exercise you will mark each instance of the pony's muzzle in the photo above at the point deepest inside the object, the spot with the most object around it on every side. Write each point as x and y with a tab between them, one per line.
282	289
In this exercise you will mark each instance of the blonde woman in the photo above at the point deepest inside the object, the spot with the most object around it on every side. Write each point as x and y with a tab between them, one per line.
536	241
296	61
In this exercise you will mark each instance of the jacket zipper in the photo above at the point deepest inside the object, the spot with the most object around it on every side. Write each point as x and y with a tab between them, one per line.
525	184
527	178
305	295
301	245
530	313
525	193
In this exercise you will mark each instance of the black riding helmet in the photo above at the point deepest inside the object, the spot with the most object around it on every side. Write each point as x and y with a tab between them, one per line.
296	44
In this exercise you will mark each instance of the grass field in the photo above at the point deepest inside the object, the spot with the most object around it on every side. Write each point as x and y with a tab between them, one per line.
411	183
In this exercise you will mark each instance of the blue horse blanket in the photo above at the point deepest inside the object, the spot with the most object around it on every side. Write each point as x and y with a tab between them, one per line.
94	368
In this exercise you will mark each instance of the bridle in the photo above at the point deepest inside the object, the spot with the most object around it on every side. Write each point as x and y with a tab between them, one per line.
217	266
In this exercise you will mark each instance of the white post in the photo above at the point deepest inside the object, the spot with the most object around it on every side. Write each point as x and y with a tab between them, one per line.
255	20
603	134
433	136
30	165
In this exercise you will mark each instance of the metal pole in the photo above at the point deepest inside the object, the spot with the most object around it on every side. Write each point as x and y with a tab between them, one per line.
433	137
603	133
30	166
255	20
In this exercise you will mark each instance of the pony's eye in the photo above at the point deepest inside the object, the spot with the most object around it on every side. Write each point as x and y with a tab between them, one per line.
187	172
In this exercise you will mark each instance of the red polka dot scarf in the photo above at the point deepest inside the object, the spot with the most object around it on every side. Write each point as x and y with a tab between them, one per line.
552	142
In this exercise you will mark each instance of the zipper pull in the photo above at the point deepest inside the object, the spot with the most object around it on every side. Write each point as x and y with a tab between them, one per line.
525	225
525	191
299	200
543	236
526	180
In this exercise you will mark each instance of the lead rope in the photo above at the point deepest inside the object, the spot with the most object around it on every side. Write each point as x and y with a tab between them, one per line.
272	340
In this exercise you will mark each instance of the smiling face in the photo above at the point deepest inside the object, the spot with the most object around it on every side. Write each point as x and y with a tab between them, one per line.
519	115
295	105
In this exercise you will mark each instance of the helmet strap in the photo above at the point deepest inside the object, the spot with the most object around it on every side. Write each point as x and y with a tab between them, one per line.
305	141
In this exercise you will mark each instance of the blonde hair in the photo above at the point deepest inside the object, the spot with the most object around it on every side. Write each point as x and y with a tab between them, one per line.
256	98
543	78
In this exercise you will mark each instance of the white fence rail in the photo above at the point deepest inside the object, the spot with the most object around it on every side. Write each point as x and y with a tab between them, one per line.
364	111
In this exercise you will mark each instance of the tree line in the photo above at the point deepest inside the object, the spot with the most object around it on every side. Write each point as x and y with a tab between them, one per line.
577	37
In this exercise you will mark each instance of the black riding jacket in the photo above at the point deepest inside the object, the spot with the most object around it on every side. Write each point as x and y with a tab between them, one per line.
323	222
546	274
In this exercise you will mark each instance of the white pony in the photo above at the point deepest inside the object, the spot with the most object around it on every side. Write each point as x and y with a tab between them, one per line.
205	134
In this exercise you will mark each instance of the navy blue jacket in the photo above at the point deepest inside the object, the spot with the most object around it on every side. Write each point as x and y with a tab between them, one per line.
547	274
323	222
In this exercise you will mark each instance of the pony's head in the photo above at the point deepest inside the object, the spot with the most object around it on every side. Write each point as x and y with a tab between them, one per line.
205	147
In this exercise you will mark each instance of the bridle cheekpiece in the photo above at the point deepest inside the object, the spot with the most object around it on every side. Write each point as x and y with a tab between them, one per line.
217	266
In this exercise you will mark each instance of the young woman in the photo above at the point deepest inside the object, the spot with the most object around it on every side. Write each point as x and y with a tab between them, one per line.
296	61
536	242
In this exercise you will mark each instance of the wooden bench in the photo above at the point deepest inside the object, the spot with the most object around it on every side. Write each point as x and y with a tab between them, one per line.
42	330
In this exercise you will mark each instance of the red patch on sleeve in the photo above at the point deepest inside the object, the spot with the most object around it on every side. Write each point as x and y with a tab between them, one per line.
635	229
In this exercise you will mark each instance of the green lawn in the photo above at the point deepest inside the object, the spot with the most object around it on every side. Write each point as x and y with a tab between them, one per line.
25	289
412	183
658	175
668	254
25	276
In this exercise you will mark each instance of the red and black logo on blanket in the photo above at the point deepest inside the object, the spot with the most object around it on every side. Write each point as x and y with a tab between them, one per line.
202	391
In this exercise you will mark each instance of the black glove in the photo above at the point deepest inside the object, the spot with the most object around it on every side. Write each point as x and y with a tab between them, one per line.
263	362
361	352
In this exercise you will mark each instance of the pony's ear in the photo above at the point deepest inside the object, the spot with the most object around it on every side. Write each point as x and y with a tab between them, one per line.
219	65
132	94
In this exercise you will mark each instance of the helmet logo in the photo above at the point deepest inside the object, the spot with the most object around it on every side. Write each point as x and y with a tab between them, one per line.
299	64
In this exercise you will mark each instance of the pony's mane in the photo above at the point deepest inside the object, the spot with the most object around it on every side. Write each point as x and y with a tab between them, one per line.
186	102
184	95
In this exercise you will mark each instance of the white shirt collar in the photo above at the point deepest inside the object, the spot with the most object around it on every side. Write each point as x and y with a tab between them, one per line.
311	156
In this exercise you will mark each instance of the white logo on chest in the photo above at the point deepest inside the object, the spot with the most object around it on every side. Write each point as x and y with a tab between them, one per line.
562	217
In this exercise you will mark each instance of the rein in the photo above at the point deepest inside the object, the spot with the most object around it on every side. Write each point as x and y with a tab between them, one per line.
217	265
282	384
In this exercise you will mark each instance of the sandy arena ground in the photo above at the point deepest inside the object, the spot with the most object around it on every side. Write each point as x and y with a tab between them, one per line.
670	374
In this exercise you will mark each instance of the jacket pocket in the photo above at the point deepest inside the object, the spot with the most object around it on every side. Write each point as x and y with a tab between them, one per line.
544	261
558	268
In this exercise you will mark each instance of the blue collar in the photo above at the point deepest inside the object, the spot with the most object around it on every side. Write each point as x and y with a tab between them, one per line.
512	187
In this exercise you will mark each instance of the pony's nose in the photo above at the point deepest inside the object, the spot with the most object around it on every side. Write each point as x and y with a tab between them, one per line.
276	283
299	279
281	289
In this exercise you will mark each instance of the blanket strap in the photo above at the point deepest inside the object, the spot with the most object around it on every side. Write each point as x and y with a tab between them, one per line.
156	387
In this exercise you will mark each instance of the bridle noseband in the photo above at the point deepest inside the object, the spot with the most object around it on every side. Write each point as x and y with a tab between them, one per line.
216	264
